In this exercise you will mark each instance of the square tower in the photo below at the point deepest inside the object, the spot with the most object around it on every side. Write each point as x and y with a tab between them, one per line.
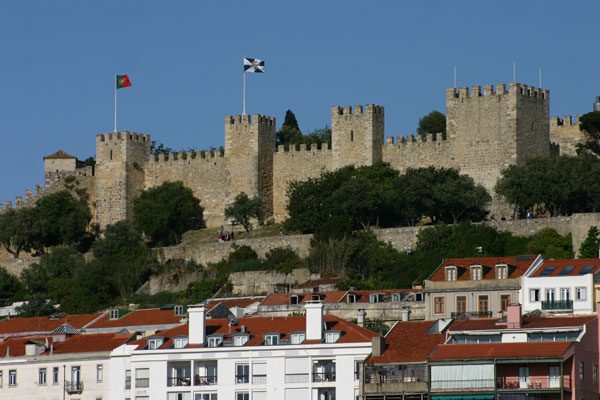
249	147
357	135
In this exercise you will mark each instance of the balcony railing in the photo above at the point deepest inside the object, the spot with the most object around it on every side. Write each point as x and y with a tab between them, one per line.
259	379
471	314
556	305
296	378
142	382
73	387
242	378
469	384
179	381
539	383
204	380
323	376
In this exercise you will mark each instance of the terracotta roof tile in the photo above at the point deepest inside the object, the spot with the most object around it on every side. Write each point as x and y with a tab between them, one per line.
316	282
560	267
16	326
60	154
519	265
149	316
408	342
331	296
15	347
527	323
241	302
449	352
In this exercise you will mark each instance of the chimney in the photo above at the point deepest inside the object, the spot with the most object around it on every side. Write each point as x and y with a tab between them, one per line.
360	320
404	314
597	104
33	349
314	320
196	324
378	345
513	316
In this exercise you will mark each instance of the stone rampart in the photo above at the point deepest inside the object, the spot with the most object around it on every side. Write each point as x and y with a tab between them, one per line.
253	282
415	152
566	134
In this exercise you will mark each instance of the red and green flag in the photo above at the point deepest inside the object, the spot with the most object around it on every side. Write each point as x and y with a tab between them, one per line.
123	81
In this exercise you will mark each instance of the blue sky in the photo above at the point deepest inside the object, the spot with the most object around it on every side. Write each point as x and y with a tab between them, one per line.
58	60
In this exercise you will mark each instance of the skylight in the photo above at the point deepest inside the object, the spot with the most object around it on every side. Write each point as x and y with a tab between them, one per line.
547	271
567	270
586	269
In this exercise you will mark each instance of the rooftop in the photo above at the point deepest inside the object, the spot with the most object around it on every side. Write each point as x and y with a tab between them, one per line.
311	283
32	325
333	296
567	267
60	154
518	265
490	351
148	316
526	323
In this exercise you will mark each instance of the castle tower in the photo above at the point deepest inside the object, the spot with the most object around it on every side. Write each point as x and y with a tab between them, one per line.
249	146
356	135
120	162
501	126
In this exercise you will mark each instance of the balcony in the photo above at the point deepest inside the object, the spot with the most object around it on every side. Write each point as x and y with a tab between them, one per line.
471	314
558	305
259	379
179	381
74	387
205	380
395	379
296	378
242	379
543	383
462	385
323	376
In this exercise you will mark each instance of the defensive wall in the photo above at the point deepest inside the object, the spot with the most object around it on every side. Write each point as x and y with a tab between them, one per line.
565	133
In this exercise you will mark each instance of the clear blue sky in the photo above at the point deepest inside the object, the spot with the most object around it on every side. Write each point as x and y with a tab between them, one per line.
58	60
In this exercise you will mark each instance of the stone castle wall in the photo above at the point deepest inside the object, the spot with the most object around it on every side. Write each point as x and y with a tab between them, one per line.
414	152
566	134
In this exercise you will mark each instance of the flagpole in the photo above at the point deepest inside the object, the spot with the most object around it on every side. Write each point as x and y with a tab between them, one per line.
115	83
244	94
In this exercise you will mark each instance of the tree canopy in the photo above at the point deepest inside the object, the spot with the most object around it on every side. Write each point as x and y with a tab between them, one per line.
19	230
590	247
244	209
590	124
554	186
163	213
290	131
63	220
434	122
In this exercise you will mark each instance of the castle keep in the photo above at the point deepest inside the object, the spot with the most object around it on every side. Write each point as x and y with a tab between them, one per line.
488	129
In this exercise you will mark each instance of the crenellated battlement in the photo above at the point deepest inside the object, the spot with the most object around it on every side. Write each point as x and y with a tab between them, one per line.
30	199
189	155
256	119
499	90
357	110
123	136
567	120
302	147
412	138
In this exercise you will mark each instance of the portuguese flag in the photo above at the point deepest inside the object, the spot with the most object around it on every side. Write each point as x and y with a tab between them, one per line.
123	81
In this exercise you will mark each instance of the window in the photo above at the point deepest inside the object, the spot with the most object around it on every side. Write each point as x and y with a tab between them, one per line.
242	373
461	304
142	378
99	373
550	295
55	376
595	373
501	272
534	295
438	305
352	140
395	297
154	344
375	298
565	294
1	379
128	379
114	314
297	338
215	341
586	269
179	396
332	337
294	299
240	340
42	376
484	304
242	396
581	370
351	298
315	297
12	377
178	310
271	340
180	342
476	273
566	270
547	271
450	273
504	302
205	396
580	293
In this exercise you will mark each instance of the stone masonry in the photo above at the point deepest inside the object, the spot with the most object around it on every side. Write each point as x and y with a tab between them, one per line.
487	130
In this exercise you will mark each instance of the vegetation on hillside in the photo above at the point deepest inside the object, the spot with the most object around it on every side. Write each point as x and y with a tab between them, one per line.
590	124
244	209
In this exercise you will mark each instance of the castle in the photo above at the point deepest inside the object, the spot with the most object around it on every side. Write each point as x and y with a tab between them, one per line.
488	129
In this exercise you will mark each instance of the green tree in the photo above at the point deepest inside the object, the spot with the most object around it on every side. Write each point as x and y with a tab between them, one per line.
201	290
19	230
10	287
591	245
36	306
283	259
62	219
551	244
157	148
290	131
244	209
163	213
590	124
434	122
318	136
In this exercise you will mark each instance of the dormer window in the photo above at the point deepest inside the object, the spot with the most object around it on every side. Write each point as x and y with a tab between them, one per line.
272	339
155	343
476	273
113	314
294	299
297	338
376	298
240	340
180	342
501	271
450	274
214	341
351	298
332	337
395	297
315	297
178	310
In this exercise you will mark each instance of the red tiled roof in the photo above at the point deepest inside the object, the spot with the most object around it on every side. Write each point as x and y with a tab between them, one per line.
519	265
241	302
560	265
257	327
61	154
331	296
316	282
485	351
44	324
527	323
408	342
15	347
149	316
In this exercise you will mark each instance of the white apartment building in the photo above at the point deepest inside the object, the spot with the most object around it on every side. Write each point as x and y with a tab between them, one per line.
560	286
262	358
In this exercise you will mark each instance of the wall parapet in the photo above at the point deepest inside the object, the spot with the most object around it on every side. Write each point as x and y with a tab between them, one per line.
357	110
188	155
284	148
123	136
30	198
500	89
567	120
256	119
412	138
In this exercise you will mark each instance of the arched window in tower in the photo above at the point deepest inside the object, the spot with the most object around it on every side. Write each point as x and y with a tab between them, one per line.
351	135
